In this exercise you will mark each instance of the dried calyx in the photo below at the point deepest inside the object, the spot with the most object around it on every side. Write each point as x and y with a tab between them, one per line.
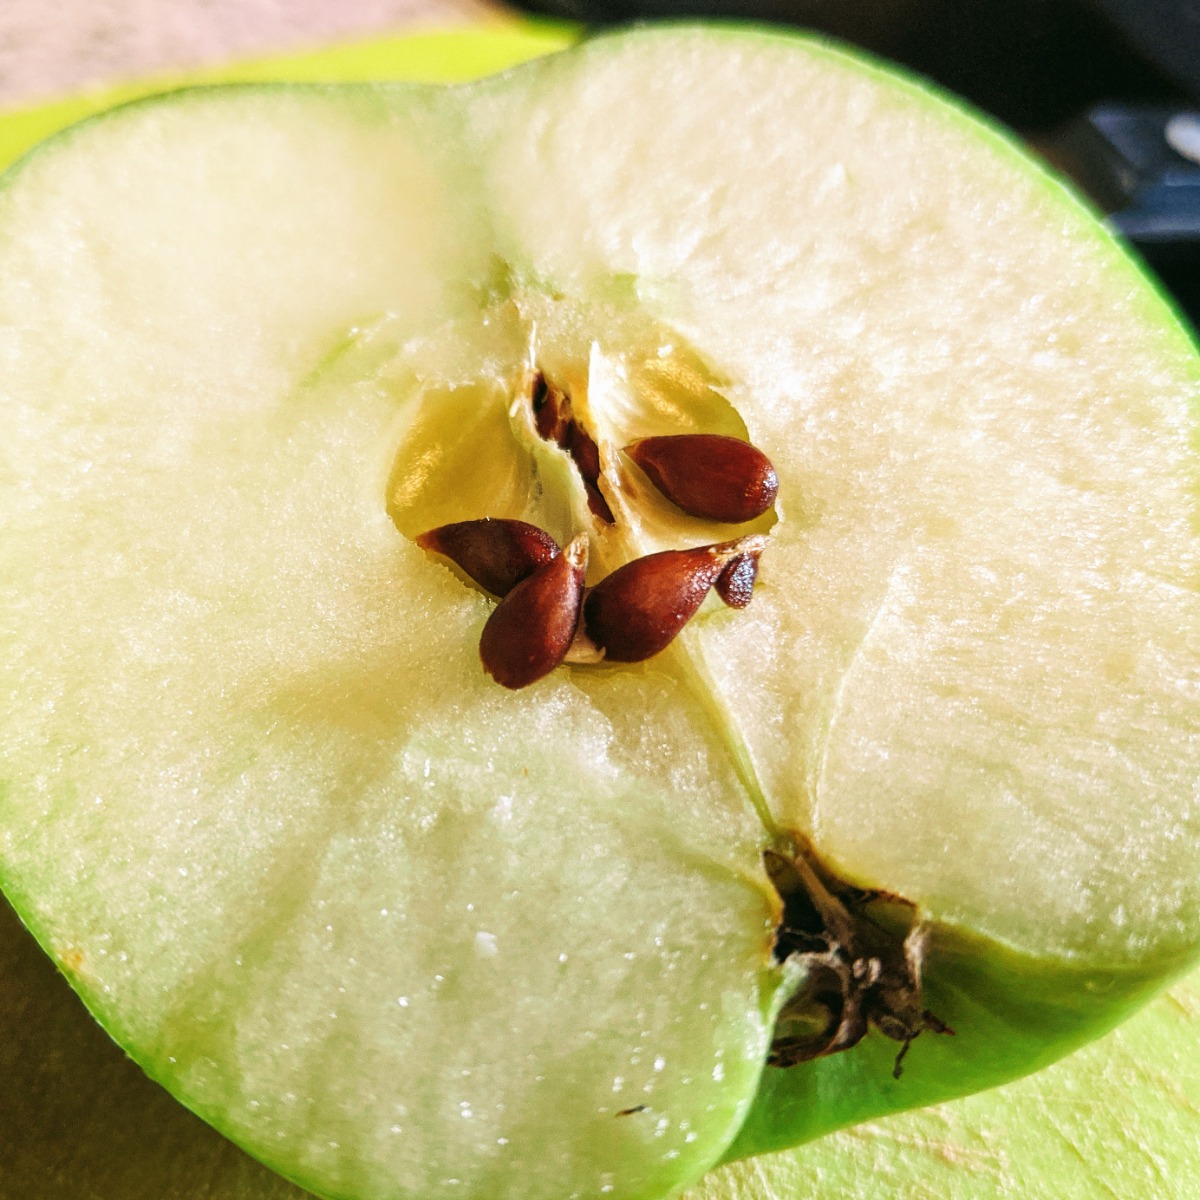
862	953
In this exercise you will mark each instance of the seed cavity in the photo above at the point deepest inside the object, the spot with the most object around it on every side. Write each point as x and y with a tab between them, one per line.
709	475
863	953
494	552
638	610
546	615
532	628
555	421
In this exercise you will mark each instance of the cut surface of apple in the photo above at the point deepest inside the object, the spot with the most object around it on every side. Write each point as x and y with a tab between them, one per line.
401	932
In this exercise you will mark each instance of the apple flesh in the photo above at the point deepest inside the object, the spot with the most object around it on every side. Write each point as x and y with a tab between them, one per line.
401	933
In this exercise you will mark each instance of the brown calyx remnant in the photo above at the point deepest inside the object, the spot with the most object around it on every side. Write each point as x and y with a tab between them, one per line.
556	422
637	611
709	475
532	628
863	953
495	552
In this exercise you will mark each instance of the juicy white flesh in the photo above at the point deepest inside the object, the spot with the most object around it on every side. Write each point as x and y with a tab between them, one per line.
401	932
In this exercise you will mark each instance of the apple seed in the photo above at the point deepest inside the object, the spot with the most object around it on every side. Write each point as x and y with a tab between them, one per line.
532	628
637	611
495	552
709	475
556	422
735	584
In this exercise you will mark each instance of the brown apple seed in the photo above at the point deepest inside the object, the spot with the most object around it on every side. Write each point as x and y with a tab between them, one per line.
495	552
582	448
708	475
551	410
555	422
532	628
637	611
735	584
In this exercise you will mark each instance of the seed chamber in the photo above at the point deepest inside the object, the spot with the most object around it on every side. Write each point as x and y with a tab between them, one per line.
467	443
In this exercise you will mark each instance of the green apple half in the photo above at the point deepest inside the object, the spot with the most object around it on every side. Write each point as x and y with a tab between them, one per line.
402	933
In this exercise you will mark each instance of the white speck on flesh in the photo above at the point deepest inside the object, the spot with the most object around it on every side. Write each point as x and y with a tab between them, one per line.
402	1001
718	1072
659	1063
485	944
